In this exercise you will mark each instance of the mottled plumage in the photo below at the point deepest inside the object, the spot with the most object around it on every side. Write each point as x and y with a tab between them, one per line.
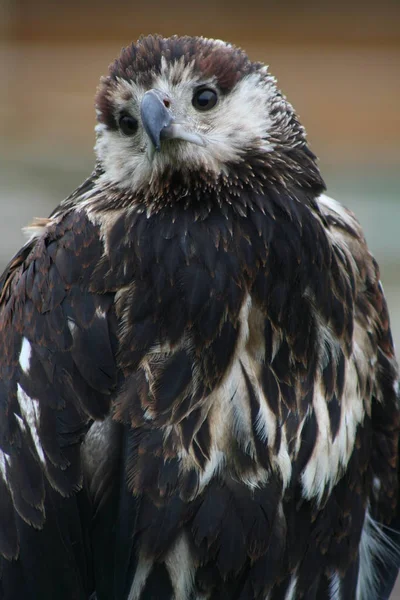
197	377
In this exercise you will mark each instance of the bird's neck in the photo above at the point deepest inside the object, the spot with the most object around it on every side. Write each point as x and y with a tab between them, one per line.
271	178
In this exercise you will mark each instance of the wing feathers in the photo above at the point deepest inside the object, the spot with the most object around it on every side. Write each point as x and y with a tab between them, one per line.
58	356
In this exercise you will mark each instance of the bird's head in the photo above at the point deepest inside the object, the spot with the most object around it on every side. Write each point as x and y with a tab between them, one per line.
194	106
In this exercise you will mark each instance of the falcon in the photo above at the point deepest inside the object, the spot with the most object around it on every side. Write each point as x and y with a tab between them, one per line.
198	388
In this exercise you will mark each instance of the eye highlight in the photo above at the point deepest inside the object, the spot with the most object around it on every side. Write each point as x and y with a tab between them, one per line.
204	99
128	125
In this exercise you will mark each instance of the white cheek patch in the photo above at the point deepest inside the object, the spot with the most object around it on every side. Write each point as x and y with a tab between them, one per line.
242	120
124	163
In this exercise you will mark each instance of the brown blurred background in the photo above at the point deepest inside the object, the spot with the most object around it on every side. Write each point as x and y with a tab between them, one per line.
338	62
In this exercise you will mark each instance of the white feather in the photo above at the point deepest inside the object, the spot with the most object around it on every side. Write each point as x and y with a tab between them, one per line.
291	592
375	547
3	465
181	568
25	355
30	411
142	572
334	587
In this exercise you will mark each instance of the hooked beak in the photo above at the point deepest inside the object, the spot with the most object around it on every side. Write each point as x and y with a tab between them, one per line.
159	123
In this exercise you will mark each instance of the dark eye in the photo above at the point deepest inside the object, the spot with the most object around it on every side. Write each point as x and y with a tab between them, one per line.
205	99
128	125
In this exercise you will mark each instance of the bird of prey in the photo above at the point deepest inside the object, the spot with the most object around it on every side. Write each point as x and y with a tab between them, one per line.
198	383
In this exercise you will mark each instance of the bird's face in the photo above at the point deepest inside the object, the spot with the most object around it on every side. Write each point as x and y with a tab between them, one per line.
183	104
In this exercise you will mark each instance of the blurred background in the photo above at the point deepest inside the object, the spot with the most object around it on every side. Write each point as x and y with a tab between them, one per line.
338	63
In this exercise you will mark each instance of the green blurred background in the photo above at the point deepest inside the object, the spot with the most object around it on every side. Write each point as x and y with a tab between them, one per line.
338	63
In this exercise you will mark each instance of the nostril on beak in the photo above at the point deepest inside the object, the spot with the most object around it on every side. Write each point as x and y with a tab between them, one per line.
155	115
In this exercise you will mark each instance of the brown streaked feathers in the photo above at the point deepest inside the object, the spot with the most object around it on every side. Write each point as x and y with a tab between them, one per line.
197	378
